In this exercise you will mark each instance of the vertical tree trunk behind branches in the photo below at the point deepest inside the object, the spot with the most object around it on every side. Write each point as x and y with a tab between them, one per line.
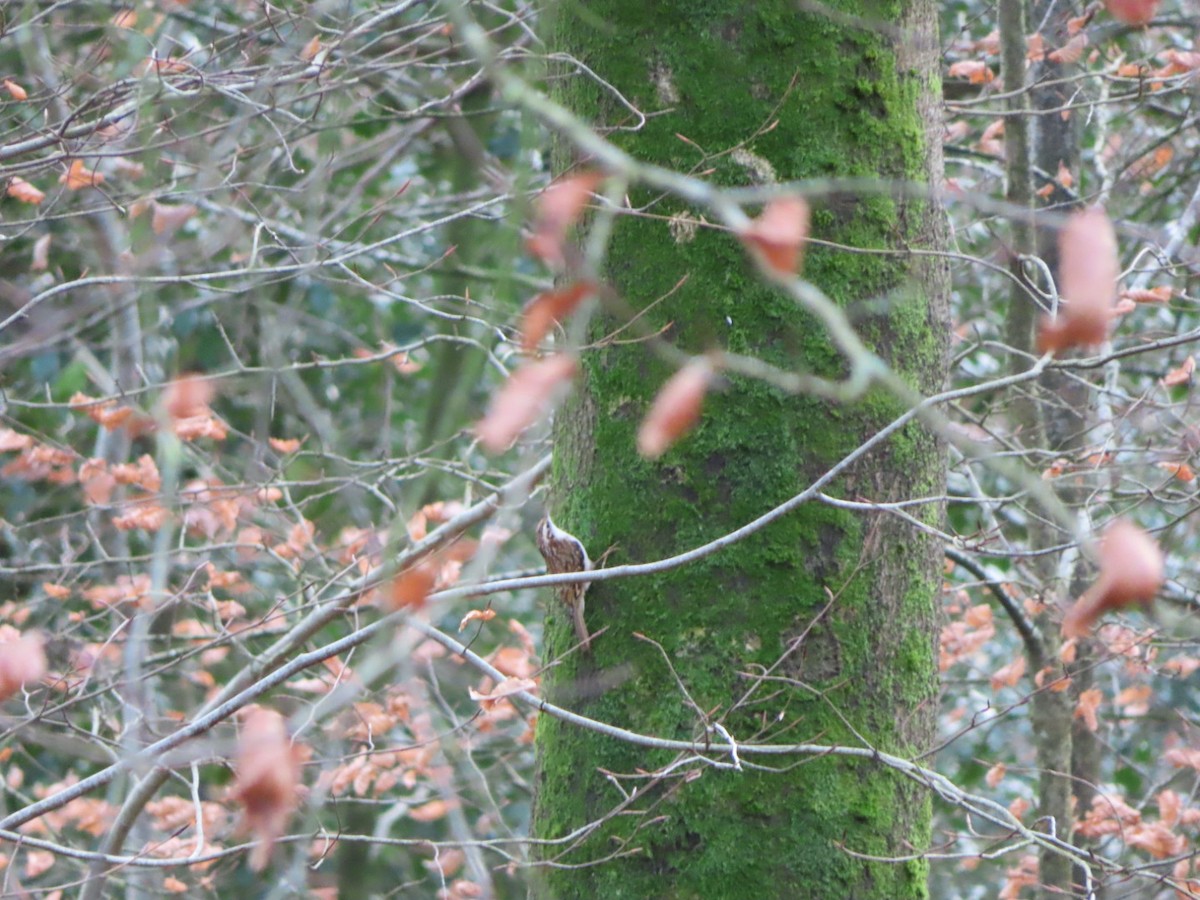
792	96
1053	421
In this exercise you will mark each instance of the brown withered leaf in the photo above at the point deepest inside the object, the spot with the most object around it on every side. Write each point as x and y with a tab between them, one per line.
778	235
22	660
20	189
1160	294
476	615
549	308
170	217
1089	268
1182	471
285	445
412	587
557	210
1182	374
267	777
1089	702
77	177
676	409
975	71
1131	571
527	395
505	688
1071	51
1132	12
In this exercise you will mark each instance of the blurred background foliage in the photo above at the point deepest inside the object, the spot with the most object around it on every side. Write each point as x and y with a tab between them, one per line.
318	208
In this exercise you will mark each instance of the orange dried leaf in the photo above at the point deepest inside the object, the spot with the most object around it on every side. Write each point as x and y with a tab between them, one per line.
285	445
15	90
989	44
676	409
1170	805
1068	651
991	141
1078	23
1089	267
1161	294
528	394
1156	839
476	615
144	473
267	773
1179	62
1071	51
1050	679
995	774
978	616
112	417
168	218
1182	758
11	440
311	49
1151	164
22	660
1131	571
429	812
196	427
77	177
405	364
37	863
548	308
1135	700
1089	702
975	71
1110	814
22	190
1182	471
82	401
145	516
56	591
956	131
1064	177
447	862
97	481
187	396
1009	675
778	235
505	688
40	258
412	587
1132	12
1182	374
1182	666
558	209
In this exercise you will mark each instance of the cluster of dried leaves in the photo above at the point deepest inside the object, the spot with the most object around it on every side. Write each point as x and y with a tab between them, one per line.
776	238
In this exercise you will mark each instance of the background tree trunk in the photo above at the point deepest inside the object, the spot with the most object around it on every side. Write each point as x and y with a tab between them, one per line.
855	96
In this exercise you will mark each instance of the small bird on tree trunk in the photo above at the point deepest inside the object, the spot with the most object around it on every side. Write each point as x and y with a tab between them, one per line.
564	552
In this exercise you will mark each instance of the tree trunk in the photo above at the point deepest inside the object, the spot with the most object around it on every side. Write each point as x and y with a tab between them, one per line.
839	606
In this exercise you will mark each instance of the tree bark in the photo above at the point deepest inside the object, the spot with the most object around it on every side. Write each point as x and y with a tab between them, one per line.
839	606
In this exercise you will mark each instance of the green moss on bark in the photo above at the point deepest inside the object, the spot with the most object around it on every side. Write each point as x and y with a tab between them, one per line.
846	104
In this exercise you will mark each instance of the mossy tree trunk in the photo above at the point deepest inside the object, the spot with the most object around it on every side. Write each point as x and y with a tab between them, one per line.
839	605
